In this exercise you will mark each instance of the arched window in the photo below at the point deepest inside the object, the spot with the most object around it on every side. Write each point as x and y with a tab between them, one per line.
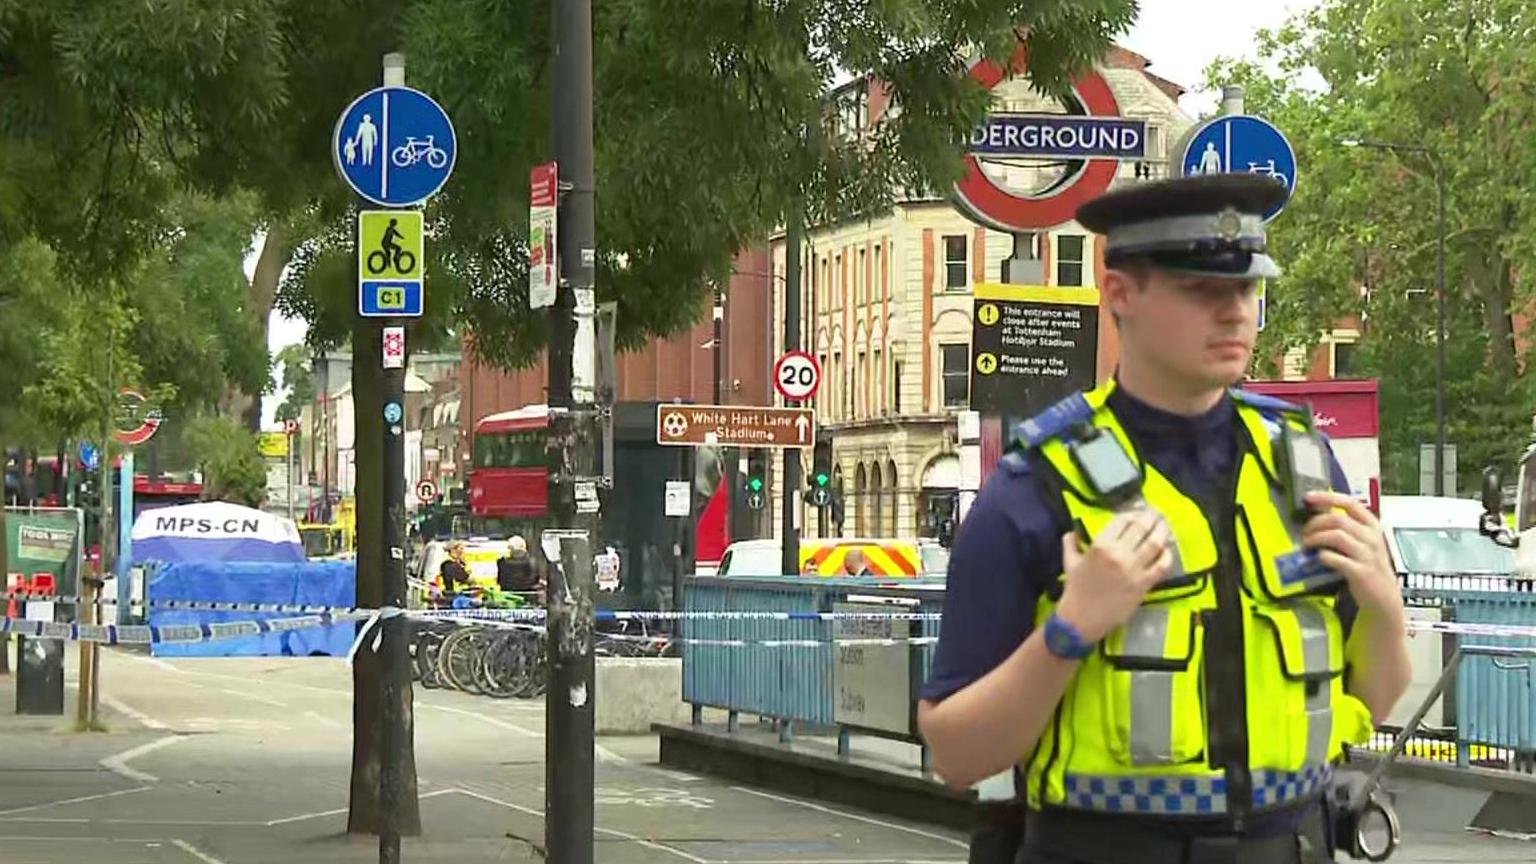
860	502
877	492
892	490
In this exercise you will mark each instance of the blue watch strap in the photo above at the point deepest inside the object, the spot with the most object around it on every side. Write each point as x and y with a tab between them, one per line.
1063	640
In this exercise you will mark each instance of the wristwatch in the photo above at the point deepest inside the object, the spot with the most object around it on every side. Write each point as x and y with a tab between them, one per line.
1063	640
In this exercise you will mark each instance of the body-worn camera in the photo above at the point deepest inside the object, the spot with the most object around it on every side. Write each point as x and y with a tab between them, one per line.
1112	475
1302	460
1115	480
1361	817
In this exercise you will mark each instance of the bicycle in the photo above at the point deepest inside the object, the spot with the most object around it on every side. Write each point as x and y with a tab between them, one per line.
405	261
413	151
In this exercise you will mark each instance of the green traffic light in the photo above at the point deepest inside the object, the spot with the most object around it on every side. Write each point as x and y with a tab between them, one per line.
755	484
822	478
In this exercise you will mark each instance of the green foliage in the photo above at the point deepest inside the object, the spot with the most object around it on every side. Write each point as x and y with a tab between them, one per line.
197	331
1360	237
298	379
99	239
700	128
31	306
86	360
228	456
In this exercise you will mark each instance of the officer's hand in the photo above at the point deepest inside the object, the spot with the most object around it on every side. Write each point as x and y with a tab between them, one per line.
1349	540
1106	582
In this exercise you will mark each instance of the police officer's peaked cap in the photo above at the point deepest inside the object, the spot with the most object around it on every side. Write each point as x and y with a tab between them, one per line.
1205	225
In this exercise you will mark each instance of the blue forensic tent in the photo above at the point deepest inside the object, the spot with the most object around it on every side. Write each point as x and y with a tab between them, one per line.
214	531
320	583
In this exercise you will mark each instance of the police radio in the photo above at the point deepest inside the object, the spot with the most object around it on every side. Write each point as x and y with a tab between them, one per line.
1302	460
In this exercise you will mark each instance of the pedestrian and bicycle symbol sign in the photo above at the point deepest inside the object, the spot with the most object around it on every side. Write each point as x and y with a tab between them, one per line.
394	146
1238	144
390	252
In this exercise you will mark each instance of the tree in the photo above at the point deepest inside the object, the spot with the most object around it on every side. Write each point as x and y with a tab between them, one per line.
702	133
1360	236
190	291
229	458
298	380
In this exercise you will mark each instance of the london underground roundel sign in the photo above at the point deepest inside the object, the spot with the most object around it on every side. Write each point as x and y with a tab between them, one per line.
1083	179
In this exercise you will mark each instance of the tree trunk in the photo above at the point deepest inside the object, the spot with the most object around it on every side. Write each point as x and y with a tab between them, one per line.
1492	279
275	251
367	690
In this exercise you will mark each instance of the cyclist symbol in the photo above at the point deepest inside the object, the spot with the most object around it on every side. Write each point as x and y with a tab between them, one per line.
389	252
413	151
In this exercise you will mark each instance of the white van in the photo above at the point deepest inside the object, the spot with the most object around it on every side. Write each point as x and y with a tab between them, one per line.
1435	536
1435	543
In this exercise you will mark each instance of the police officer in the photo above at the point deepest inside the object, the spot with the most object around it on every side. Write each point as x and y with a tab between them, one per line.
1150	612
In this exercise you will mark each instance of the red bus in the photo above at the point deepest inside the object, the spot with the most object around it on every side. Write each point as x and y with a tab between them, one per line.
509	478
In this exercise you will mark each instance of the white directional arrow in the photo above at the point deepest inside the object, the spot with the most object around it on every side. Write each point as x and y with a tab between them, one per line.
800	426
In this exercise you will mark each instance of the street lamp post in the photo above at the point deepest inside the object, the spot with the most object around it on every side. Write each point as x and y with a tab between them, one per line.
1440	194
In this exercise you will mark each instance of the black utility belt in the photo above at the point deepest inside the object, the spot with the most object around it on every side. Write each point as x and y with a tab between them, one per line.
1107	838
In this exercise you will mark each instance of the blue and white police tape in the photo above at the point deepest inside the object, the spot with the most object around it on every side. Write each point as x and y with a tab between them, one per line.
606	615
307	616
370	625
164	634
191	605
530	613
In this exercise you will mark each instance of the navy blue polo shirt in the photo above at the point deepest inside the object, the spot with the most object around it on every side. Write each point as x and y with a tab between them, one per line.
1008	548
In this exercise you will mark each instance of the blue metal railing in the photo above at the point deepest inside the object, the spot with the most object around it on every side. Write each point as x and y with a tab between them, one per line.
1494	697
1494	694
786	684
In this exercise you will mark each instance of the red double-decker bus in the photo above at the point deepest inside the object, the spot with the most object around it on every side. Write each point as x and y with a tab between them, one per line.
509	476
509	480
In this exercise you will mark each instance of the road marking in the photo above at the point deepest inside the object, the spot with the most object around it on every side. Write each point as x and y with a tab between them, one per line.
623	835
844	861
322	814
345	693
255	698
841	861
498	723
138	820
119	764
60	837
855	817
134	714
161	664
323	720
80	800
195	852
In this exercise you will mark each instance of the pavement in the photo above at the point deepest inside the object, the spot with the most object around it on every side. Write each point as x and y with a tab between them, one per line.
245	761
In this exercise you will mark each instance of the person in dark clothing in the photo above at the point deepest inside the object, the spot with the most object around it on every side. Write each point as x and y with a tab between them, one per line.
1157	613
453	575
515	573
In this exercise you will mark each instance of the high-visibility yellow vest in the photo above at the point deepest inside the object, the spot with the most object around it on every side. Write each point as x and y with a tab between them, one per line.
1152	721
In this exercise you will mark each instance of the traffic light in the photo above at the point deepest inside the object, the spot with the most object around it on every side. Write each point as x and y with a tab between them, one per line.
757	479
819	491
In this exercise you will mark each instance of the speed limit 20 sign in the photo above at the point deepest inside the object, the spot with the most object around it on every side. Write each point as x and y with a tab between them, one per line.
796	376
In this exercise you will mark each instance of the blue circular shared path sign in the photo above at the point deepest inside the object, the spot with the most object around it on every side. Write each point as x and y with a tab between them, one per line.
1241	144
394	146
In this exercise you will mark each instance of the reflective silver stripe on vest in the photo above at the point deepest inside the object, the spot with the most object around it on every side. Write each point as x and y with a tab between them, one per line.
1189	796
1146	636
1317	656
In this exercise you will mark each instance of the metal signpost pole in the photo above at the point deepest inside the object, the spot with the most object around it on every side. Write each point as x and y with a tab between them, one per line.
569	740
789	562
